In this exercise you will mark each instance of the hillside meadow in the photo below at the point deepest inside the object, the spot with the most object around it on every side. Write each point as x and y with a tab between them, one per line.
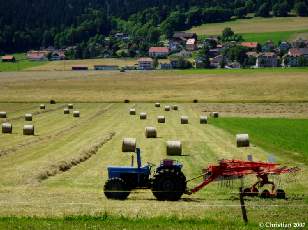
260	25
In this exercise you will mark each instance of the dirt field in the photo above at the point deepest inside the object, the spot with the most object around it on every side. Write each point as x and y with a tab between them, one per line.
181	86
260	25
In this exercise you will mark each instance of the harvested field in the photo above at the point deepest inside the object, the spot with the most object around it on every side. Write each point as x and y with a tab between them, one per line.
164	86
76	188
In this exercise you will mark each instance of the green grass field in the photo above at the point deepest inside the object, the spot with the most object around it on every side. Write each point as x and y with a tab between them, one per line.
276	37
272	133
21	63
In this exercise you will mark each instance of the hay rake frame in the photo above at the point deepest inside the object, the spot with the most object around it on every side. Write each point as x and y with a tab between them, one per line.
236	169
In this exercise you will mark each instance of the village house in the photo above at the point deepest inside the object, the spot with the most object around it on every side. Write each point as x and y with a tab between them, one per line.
158	52
217	61
191	44
299	43
266	59
8	58
179	40
121	36
295	56
269	46
252	46
145	63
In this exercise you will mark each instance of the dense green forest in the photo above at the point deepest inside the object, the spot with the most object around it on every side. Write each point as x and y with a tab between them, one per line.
33	24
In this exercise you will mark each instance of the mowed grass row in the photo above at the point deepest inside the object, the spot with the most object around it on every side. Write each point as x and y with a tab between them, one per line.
79	191
266	85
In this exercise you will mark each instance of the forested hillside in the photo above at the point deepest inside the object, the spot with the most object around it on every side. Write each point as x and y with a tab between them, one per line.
35	23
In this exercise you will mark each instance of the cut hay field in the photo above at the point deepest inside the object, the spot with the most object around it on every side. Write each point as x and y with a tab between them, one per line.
68	64
47	175
265	85
260	25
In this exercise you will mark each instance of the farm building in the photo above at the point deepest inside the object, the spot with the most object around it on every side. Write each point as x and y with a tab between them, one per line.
77	68
8	58
106	67
145	63
37	55
191	44
158	52
57	55
266	59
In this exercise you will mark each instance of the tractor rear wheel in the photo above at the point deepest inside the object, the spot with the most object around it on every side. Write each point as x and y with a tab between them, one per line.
169	184
116	188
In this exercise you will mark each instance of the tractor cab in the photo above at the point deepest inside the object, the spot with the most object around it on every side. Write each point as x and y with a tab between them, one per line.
132	177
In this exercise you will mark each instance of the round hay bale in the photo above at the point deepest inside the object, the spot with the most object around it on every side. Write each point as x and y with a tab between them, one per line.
214	114
28	130
203	119
28	117
129	145
184	120
143	116
161	119
167	108
157	104
7	128
66	111
70	106
150	132
42	106
242	140
126	101
174	148
3	114
76	113
175	107
52	102
132	112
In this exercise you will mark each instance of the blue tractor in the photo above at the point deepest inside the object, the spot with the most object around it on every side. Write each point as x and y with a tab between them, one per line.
167	182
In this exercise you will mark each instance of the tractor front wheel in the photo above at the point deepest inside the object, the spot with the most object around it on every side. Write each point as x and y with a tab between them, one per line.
116	188
169	184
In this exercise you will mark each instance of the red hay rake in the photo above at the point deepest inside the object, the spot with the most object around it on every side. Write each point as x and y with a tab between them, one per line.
236	169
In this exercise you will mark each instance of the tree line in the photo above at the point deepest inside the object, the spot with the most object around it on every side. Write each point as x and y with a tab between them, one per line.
85	24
